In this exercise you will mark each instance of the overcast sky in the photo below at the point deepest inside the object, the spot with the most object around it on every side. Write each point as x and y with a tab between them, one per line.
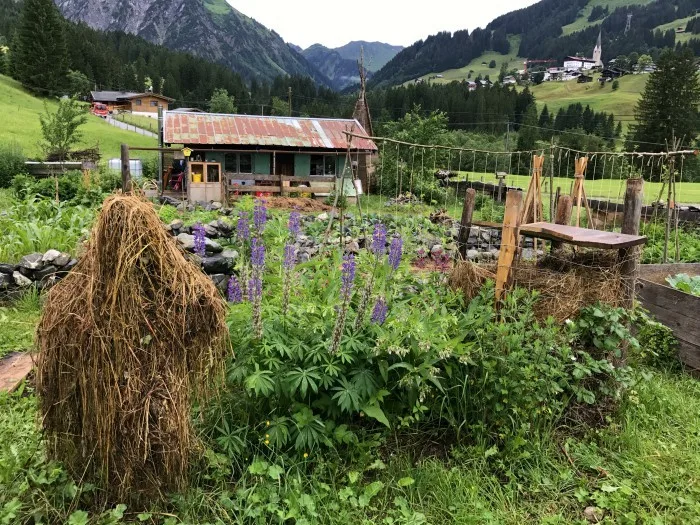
399	22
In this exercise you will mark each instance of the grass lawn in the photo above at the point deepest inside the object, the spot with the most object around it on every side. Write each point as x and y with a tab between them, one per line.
20	111
18	323
147	123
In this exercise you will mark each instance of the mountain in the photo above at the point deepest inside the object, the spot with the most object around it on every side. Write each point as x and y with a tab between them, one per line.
377	54
342	72
211	29
549	29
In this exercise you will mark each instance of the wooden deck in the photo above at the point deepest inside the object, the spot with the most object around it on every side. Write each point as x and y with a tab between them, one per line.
582	237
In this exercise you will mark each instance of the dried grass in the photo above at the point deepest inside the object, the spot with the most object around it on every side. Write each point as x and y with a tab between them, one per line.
566	282
128	340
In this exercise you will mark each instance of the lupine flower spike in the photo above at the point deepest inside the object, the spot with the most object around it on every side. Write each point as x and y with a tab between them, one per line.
380	311
379	239
294	224
260	216
347	284
200	240
233	291
242	227
395	252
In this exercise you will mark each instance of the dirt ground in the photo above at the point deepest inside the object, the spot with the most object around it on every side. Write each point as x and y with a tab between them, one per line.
299	204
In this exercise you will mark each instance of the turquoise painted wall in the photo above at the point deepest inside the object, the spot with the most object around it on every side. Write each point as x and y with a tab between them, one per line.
302	165
213	156
340	165
261	164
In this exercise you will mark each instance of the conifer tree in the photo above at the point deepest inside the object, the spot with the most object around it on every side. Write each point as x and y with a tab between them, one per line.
669	104
527	137
40	59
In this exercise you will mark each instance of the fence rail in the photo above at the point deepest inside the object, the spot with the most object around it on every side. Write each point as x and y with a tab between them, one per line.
280	184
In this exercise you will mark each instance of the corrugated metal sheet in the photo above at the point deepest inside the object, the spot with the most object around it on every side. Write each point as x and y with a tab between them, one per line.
250	130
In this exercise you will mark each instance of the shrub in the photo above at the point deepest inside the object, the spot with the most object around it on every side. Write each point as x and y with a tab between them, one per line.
11	163
658	347
615	85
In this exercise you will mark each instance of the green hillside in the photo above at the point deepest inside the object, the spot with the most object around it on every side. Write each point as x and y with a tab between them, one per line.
480	65
582	21
20	111
620	102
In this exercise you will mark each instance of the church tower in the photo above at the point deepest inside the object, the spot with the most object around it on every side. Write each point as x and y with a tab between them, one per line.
598	51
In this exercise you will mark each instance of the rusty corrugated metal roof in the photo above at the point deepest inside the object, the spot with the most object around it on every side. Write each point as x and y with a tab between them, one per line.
251	130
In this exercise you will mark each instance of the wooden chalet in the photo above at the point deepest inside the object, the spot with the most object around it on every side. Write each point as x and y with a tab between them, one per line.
137	103
234	154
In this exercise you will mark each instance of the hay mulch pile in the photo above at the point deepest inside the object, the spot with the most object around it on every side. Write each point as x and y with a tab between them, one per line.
566	282
128	340
300	204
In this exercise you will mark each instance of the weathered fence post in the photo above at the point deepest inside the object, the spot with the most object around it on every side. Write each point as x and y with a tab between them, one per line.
465	225
565	206
629	257
126	169
509	242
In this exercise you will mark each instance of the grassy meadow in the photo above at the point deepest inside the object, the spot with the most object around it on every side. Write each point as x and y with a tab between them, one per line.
20	112
147	123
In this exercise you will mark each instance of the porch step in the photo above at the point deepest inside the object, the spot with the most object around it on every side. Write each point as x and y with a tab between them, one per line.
14	368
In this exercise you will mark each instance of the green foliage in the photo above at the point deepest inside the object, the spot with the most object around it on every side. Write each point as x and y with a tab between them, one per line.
11	163
528	135
688	244
492	64
222	102
39	54
685	283
60	129
18	323
615	85
39	224
79	84
668	108
658	347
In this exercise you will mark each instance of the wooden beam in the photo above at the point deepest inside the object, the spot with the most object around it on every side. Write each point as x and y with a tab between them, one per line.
563	214
509	243
466	223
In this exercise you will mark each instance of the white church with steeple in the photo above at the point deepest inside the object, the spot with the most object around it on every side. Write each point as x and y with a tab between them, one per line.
598	51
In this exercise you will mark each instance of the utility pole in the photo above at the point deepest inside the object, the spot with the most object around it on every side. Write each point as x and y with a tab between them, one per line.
508	135
290	101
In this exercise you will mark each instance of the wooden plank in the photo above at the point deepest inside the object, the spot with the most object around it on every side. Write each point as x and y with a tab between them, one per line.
277	178
581	236
488	224
689	354
14	368
248	189
466	222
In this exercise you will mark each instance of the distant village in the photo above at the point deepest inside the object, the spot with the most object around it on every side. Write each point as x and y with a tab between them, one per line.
580	69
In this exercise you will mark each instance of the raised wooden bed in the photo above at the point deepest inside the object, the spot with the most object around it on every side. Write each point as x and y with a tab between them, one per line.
677	310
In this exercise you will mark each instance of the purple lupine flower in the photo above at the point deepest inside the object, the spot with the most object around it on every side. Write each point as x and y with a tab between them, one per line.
395	252
348	275
200	240
254	289
294	224
234	292
379	239
242	227
259	216
257	253
380	311
290	256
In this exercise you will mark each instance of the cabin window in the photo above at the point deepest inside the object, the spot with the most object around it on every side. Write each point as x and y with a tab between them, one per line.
154	103
137	102
323	165
213	173
238	162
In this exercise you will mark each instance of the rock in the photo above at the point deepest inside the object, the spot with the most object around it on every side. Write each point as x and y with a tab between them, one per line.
303	257
220	281
45	272
593	514
176	224
187	242
216	205
211	231
352	247
71	264
219	264
437	250
21	280
5	281
8	269
472	255
224	227
322	217
32	261
62	260
50	256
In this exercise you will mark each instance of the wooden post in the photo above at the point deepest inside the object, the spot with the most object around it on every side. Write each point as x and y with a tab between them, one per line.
578	193
563	214
465	225
126	169
509	243
629	257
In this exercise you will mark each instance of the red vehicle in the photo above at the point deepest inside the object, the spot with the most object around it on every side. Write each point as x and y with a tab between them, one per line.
100	110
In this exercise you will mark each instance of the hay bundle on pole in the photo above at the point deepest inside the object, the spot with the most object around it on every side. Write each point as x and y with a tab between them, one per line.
128	341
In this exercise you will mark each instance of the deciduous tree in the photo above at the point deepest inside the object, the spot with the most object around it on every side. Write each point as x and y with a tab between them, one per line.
60	129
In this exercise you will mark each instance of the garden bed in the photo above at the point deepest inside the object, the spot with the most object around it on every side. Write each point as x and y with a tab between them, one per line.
678	310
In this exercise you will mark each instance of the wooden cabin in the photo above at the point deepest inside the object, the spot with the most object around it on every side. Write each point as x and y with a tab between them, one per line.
137	103
269	155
